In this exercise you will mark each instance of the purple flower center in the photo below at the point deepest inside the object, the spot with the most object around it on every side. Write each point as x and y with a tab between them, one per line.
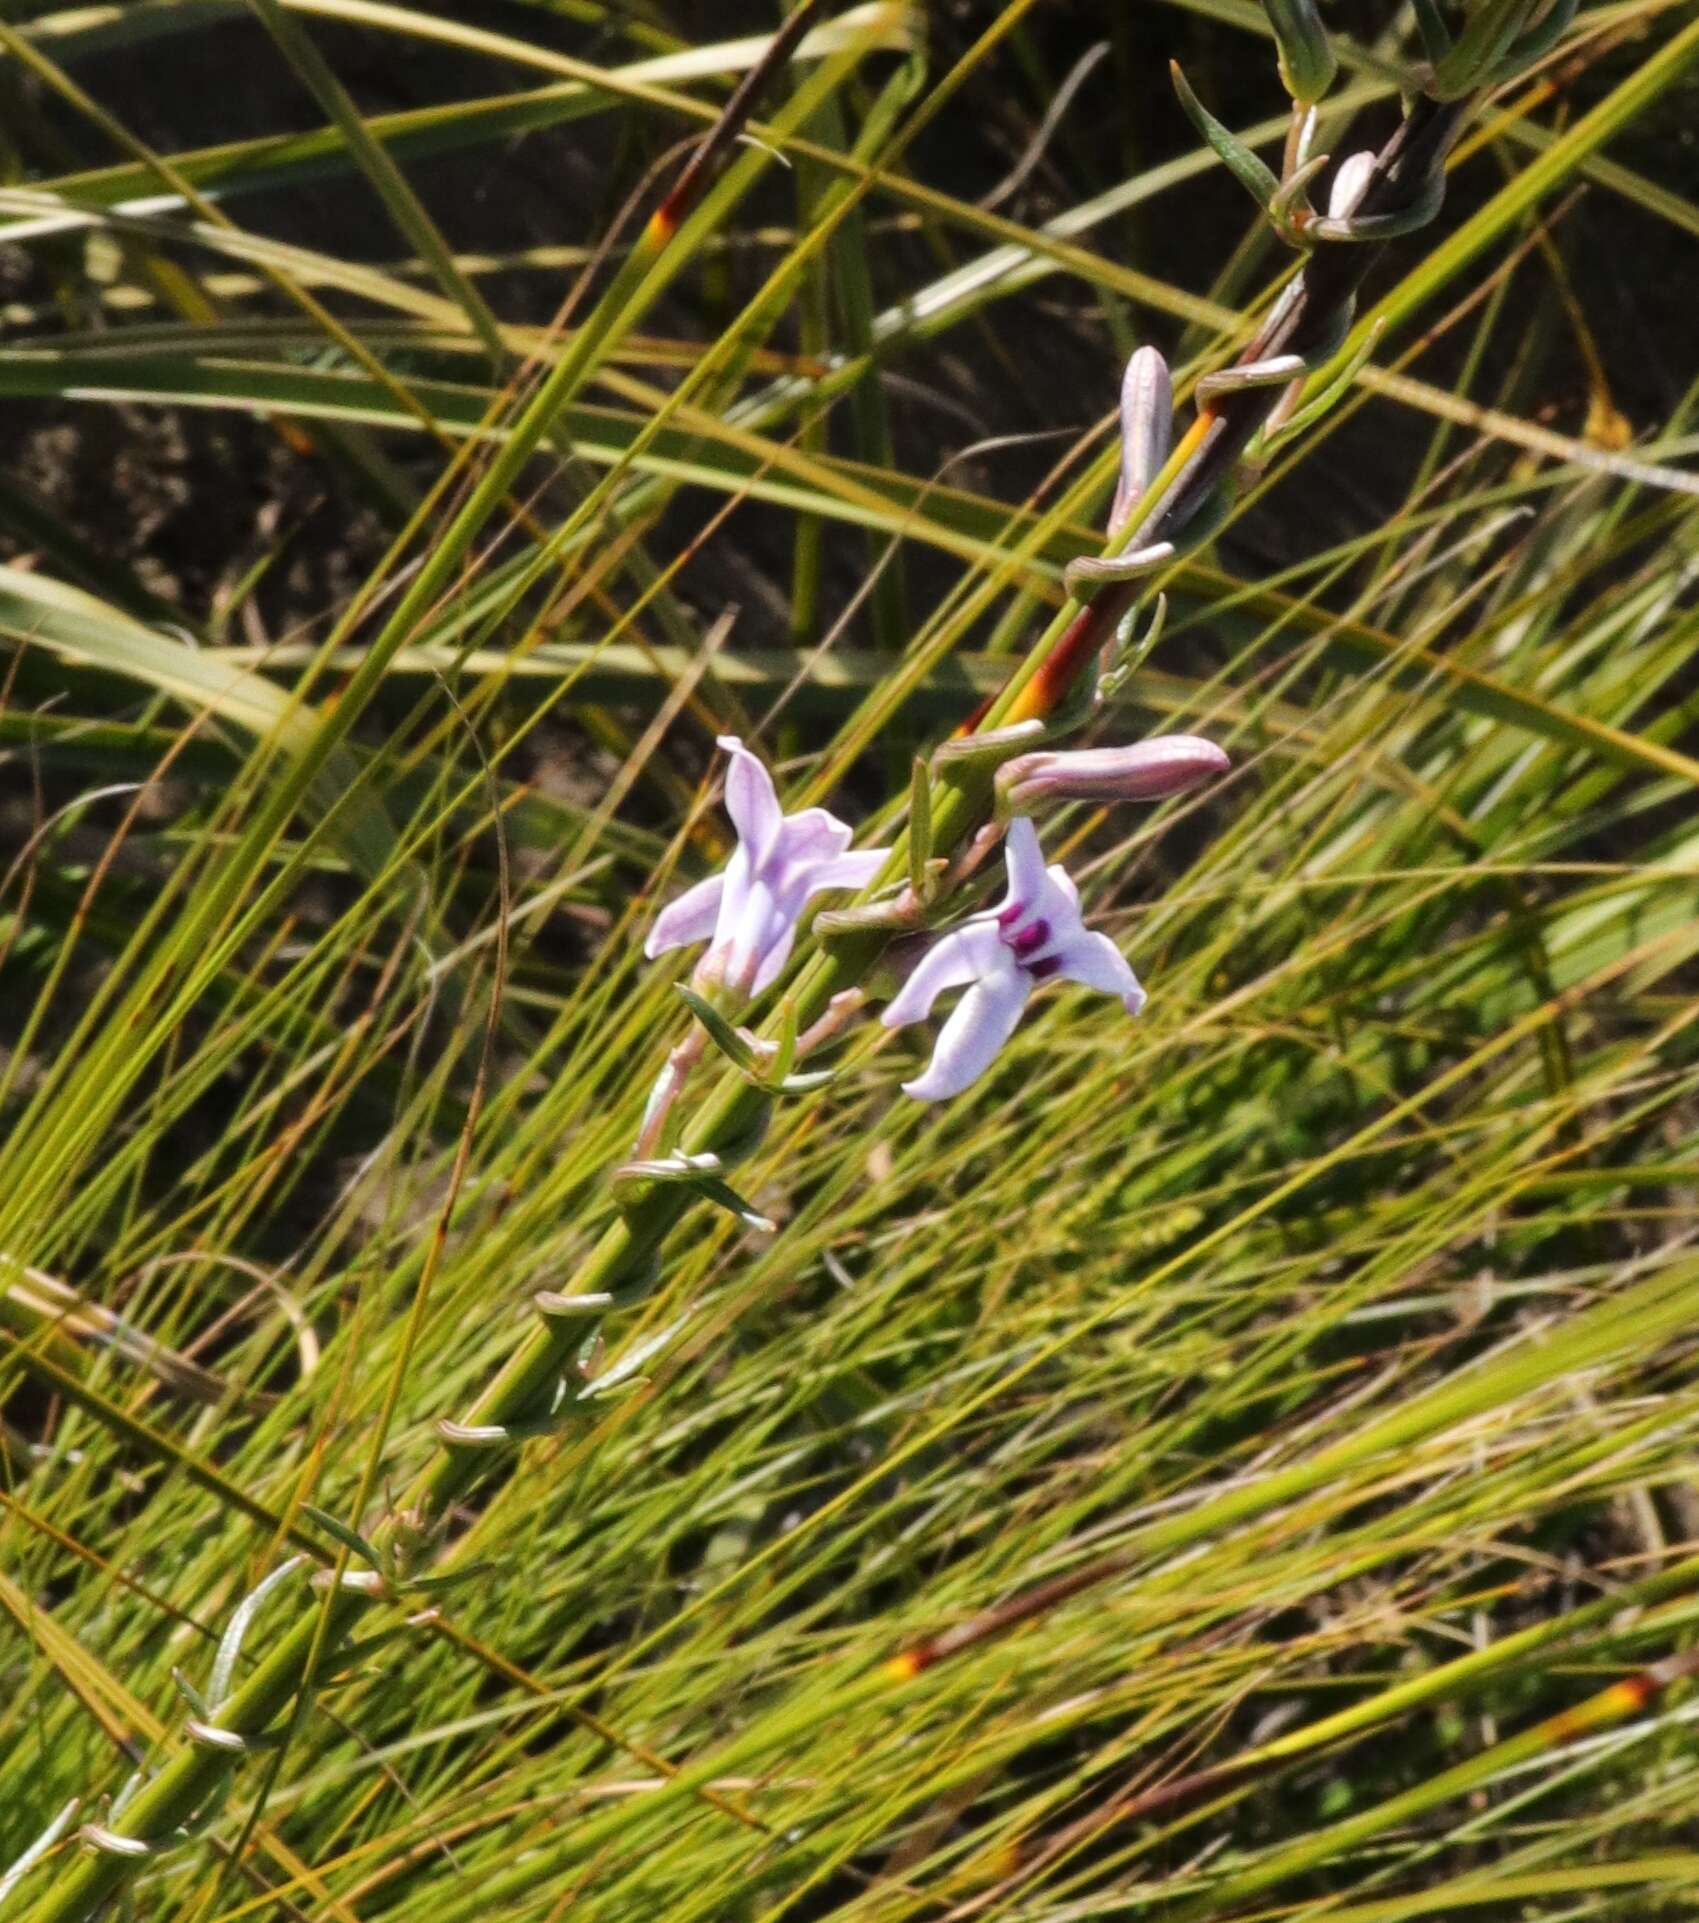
1024	938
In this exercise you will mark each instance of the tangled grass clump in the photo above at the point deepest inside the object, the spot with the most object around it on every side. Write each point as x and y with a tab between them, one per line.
488	1428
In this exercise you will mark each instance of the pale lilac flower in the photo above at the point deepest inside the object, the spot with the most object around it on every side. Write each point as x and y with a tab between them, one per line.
1167	764
1000	957
749	913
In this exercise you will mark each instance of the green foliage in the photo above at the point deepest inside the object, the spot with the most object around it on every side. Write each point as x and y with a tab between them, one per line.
1288	1397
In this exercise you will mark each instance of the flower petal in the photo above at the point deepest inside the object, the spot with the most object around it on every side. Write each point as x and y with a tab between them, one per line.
857	869
980	1023
1025	862
774	956
751	799
1096	961
806	844
1061	899
753	921
812	835
689	919
972	953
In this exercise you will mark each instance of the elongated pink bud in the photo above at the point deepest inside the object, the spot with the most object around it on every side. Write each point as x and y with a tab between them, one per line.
1167	764
1147	428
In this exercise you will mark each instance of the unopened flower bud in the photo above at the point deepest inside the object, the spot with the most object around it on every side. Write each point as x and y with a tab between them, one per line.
1350	184
1147	428
1307	59
1151	770
410	1537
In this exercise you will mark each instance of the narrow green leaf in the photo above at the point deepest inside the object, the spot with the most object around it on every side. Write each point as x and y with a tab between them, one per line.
241	1620
722	1033
1245	167
349	1538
